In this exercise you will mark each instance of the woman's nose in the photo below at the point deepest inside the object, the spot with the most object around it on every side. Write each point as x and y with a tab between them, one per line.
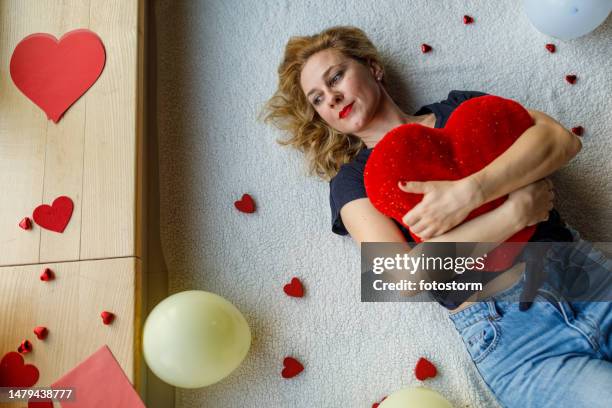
335	99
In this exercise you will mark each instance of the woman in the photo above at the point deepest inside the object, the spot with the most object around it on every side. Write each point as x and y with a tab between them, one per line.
332	101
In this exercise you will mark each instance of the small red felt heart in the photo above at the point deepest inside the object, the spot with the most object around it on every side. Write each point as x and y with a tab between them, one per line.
376	404
571	79
47	275
424	369
551	48
25	347
425	48
578	130
467	20
246	204
41	332
107	317
26	223
294	288
292	367
54	217
55	74
40	404
14	373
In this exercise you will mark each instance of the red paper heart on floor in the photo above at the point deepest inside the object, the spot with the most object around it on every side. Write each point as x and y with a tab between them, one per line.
56	216
246	204
467	20
55	74
40	404
571	79
292	367
107	317
424	369
551	48
478	131
26	223
14	373
294	288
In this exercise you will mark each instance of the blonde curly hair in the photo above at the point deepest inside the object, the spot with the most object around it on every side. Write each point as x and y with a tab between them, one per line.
288	109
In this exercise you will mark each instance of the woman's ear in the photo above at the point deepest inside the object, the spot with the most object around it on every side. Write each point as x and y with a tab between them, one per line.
376	70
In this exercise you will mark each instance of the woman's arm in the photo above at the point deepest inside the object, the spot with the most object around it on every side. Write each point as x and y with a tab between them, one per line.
539	151
525	206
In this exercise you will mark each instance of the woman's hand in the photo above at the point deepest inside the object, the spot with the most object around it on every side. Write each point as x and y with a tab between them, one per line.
445	204
533	202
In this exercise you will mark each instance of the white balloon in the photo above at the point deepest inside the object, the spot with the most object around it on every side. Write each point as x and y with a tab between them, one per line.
415	397
567	19
194	338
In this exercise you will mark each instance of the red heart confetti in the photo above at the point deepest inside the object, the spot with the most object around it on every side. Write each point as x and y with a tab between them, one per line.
425	48
26	223
578	130
56	216
292	367
467	20
571	79
25	347
551	48
424	369
14	373
246	204
53	73
376	404
294	289
40	404
47	275
107	317
41	332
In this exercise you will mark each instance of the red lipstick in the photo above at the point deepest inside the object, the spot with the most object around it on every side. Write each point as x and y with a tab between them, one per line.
346	110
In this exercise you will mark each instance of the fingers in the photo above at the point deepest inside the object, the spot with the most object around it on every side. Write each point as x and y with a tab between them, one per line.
416	187
413	216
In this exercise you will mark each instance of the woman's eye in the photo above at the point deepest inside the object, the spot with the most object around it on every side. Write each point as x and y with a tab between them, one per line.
336	77
316	100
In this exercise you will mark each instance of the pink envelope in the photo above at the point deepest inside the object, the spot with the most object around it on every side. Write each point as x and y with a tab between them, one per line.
99	382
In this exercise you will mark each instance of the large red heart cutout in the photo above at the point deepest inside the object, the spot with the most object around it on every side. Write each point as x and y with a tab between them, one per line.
477	132
54	217
14	373
55	74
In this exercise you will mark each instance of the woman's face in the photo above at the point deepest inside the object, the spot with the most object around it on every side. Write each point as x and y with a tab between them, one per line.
344	92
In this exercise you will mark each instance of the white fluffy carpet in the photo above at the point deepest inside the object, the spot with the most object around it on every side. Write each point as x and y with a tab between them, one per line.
217	63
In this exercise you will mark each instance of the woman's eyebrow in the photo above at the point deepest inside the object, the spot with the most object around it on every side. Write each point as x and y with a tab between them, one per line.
324	75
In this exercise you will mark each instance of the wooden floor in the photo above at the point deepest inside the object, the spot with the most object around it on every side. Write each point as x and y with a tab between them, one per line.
94	155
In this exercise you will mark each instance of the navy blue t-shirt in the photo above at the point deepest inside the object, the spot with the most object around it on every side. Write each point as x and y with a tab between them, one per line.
348	185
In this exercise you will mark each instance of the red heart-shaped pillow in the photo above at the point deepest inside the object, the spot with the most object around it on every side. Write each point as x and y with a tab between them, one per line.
477	132
54	74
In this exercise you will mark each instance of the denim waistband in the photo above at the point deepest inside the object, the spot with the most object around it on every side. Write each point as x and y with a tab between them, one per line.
487	308
490	308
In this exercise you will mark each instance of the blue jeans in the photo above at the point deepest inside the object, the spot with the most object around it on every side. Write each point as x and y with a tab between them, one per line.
556	354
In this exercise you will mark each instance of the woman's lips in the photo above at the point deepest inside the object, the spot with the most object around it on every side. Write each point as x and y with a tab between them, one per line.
346	110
